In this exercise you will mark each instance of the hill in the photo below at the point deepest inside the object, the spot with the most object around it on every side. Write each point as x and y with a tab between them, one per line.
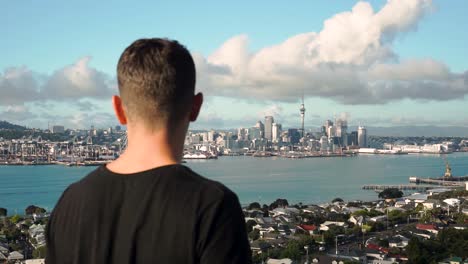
9	126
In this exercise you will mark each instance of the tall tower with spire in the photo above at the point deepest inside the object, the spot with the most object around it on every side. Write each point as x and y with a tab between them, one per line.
302	110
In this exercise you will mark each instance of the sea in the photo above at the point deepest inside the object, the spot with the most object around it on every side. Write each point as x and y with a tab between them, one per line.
253	179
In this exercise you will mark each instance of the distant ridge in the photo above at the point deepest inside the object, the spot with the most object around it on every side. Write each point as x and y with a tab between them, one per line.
10	126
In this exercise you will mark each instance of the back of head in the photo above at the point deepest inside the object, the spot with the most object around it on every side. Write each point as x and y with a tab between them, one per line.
156	80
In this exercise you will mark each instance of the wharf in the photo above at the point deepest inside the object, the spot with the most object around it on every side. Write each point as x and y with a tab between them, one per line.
403	187
451	181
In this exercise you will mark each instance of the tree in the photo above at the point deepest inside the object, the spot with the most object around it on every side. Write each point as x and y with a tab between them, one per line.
30	210
337	199
254	234
254	205
397	216
293	250
383	243
249	225
39	252
15	219
390	193
40	210
3	212
265	210
279	203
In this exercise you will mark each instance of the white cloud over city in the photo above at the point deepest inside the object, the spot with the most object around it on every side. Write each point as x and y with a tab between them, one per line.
20	85
351	60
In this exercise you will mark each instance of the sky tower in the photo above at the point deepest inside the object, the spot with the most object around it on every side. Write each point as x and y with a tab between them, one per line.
302	109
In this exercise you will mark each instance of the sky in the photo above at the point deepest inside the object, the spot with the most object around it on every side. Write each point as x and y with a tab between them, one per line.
375	63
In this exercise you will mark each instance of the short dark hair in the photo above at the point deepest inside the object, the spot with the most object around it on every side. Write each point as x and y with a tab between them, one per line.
156	80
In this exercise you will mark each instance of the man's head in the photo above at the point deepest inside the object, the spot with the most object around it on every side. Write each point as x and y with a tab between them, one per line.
156	80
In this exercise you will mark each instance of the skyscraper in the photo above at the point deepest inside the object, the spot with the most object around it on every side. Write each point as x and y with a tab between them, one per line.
331	131
362	137
268	127
254	133
302	110
275	132
353	139
341	131
260	126
294	135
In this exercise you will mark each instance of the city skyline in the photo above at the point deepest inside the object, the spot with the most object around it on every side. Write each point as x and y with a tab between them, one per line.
405	70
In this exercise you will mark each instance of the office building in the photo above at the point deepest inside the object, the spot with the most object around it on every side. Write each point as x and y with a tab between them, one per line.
294	135
362	137
331	131
276	132
58	129
268	127
261	126
353	139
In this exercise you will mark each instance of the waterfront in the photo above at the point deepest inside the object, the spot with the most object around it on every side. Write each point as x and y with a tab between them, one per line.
253	179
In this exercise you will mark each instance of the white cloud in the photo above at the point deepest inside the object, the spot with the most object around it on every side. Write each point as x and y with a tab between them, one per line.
20	85
15	113
78	81
351	61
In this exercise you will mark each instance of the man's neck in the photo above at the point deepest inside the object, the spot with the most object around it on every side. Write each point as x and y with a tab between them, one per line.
147	150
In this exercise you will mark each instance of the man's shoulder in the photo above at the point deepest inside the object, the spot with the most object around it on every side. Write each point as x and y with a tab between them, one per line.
210	190
178	175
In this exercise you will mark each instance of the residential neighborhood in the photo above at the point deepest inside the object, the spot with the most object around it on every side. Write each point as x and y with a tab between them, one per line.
418	228
22	238
427	227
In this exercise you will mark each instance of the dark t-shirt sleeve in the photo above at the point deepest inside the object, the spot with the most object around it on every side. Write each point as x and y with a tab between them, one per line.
51	255
223	235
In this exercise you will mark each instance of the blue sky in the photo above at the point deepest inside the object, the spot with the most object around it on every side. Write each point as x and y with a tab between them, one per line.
44	42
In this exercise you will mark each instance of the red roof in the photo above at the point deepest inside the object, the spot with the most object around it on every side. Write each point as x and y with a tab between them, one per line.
308	227
373	246
377	247
426	227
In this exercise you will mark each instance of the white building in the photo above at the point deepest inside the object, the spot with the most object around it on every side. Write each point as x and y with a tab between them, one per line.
362	137
331	131
275	132
323	144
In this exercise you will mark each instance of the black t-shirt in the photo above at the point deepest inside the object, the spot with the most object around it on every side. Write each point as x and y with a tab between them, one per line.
167	214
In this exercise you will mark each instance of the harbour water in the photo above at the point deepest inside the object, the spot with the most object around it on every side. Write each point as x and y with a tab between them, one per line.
312	180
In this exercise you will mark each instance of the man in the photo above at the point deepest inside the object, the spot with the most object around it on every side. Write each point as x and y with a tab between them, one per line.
145	207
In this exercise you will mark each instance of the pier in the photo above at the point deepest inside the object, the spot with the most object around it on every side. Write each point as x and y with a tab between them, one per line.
403	187
452	181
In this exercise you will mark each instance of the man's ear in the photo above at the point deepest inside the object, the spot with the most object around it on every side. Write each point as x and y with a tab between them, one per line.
196	105
119	109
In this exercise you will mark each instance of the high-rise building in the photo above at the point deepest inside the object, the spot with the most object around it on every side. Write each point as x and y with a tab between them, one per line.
268	127
341	130
211	136
242	134
294	135
323	144
353	139
323	130
255	133
261	126
275	132
362	137
331	131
